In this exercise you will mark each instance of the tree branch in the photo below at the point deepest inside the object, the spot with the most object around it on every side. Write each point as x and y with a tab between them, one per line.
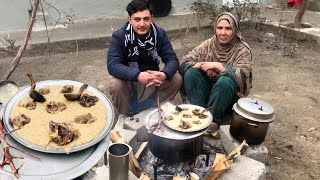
22	48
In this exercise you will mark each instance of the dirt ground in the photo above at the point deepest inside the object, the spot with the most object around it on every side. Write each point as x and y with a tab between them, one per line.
290	84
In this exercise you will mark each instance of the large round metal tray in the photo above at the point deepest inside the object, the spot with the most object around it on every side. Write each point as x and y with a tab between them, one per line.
204	126
17	97
53	166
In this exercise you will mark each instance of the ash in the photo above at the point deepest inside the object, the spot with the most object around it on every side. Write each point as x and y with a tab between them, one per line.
167	170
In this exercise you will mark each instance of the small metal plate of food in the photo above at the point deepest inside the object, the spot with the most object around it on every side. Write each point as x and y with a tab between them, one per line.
97	130
187	118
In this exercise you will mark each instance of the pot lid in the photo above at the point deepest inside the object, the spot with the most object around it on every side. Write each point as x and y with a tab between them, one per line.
254	109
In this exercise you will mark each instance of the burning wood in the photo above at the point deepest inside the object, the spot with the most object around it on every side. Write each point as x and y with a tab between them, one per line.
140	150
194	176
222	163
7	157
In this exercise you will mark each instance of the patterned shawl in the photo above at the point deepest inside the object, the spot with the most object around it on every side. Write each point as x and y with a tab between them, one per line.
236	53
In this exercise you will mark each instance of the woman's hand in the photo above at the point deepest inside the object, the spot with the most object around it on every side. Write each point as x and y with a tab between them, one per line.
211	73
215	66
197	65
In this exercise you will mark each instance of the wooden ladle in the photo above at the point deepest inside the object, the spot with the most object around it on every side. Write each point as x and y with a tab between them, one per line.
35	95
75	96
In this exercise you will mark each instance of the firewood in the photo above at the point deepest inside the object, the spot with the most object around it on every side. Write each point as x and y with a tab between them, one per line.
178	177
140	150
194	176
144	176
134	165
222	164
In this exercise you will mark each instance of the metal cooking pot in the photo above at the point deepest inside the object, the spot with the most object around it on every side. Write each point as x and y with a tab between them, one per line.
251	118
7	90
171	145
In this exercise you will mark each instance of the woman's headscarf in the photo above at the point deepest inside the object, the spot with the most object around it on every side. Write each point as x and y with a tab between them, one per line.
235	53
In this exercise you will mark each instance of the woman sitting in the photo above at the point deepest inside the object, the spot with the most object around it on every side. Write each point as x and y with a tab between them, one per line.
219	69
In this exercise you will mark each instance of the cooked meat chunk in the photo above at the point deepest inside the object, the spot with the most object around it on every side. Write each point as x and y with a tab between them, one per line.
62	133
31	105
202	116
44	91
88	101
184	124
196	122
196	112
185	115
54	107
85	119
67	89
169	118
19	121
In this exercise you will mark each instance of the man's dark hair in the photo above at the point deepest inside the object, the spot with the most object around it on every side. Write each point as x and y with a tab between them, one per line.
138	5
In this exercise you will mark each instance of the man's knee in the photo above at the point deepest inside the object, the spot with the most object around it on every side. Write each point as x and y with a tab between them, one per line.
117	85
176	81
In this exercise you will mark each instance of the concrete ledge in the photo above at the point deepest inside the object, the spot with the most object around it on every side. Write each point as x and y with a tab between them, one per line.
245	168
137	121
256	152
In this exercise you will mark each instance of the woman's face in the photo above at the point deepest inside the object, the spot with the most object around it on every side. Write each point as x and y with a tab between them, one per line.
141	21
224	31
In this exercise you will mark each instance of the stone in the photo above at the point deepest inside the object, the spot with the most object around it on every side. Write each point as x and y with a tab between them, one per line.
257	152
245	168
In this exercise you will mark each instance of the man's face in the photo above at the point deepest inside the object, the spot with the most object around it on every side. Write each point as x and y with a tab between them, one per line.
141	21
224	31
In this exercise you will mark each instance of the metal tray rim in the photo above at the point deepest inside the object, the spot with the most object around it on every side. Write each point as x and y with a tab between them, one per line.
23	91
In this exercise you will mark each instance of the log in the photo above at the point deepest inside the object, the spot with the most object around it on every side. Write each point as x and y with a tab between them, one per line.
134	165
144	176
194	176
222	163
140	150
178	177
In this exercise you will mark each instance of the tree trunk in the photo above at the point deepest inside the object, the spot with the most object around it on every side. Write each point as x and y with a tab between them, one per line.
300	13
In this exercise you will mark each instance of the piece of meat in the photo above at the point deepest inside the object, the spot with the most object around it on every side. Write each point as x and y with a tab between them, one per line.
202	116
62	133
196	112
44	91
169	118
87	101
19	121
196	122
67	89
54	107
185	115
184	124
85	119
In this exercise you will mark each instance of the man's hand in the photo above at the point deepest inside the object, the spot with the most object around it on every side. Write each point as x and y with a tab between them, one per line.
151	78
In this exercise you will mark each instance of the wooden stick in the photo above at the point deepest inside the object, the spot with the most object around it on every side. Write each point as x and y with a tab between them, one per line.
22	48
222	163
140	150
